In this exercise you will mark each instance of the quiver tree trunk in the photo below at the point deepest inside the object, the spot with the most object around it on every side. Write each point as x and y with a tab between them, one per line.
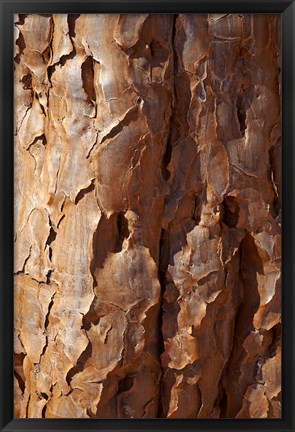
147	216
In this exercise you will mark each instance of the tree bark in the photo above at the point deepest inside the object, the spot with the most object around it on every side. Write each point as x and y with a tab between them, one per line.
147	216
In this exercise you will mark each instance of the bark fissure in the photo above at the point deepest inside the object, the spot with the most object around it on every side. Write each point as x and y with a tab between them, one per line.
164	249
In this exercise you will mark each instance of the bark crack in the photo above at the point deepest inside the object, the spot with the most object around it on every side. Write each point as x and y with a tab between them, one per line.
164	241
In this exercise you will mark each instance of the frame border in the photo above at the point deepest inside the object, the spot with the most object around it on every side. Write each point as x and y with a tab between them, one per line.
287	10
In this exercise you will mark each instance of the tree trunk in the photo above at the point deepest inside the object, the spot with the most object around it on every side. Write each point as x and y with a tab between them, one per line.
147	216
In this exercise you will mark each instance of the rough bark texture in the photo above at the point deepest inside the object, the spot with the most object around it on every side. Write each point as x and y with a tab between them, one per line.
147	216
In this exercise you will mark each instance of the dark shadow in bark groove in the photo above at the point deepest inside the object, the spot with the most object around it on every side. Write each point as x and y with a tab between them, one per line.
87	72
108	238
275	175
164	243
27	81
80	363
230	211
276	338
241	114
83	192
250	265
123	231
20	381
132	115
20	42
237	377
71	23
125	384
49	241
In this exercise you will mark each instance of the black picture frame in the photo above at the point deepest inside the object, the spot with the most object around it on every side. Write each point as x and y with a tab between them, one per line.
8	8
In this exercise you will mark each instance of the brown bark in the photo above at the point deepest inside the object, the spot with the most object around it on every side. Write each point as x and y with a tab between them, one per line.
147	216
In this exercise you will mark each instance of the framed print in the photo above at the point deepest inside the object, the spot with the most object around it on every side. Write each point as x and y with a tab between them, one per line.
147	207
